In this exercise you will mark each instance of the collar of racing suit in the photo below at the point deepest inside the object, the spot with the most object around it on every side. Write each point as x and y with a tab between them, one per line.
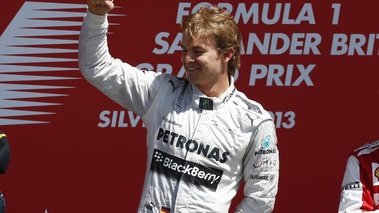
199	100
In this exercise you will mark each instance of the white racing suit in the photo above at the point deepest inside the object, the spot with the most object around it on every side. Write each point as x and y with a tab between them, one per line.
199	148
360	185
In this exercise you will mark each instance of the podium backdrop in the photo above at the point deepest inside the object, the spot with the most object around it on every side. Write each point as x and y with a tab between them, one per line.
313	65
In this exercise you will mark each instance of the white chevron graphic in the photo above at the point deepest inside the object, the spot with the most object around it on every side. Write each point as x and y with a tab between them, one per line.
21	46
33	34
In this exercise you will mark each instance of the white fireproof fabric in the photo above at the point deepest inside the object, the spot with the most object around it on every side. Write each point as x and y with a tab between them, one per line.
199	148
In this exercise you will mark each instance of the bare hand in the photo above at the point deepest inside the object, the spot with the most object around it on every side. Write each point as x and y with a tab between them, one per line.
100	7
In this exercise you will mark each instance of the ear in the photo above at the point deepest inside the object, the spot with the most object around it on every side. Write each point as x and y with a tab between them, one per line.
228	54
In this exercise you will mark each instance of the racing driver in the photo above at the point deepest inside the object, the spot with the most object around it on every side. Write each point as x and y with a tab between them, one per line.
204	137
360	185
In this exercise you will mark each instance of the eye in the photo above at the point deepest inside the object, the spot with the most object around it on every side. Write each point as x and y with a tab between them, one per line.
199	52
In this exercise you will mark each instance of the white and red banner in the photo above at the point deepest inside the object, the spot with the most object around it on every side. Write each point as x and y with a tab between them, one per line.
314	65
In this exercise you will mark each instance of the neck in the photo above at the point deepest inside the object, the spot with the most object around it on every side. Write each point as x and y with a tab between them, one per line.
216	89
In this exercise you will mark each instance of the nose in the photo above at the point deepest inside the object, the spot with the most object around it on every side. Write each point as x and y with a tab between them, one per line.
188	57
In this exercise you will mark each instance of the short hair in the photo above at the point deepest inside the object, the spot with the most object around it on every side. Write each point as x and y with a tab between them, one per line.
213	22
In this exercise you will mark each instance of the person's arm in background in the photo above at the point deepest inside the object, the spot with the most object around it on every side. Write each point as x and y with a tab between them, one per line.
5	152
355	192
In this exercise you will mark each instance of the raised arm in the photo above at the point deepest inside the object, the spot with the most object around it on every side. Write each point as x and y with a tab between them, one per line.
121	82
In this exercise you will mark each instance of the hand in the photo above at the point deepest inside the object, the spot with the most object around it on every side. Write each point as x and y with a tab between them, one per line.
100	7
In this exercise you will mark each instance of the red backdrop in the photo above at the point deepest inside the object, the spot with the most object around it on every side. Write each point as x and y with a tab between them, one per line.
313	65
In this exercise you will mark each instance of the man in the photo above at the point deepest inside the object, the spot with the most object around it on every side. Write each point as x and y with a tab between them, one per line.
204	136
4	161
360	185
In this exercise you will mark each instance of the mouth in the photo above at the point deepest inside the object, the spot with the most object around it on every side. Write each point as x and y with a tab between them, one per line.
191	69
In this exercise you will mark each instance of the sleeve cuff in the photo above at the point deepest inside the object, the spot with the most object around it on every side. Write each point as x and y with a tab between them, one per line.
96	20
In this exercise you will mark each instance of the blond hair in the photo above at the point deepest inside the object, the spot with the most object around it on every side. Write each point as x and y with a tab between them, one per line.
215	23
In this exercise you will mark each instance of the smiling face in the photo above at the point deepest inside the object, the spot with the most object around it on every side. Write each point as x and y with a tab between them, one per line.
205	66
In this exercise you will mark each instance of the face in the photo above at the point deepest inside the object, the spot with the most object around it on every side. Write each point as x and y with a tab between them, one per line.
205	66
